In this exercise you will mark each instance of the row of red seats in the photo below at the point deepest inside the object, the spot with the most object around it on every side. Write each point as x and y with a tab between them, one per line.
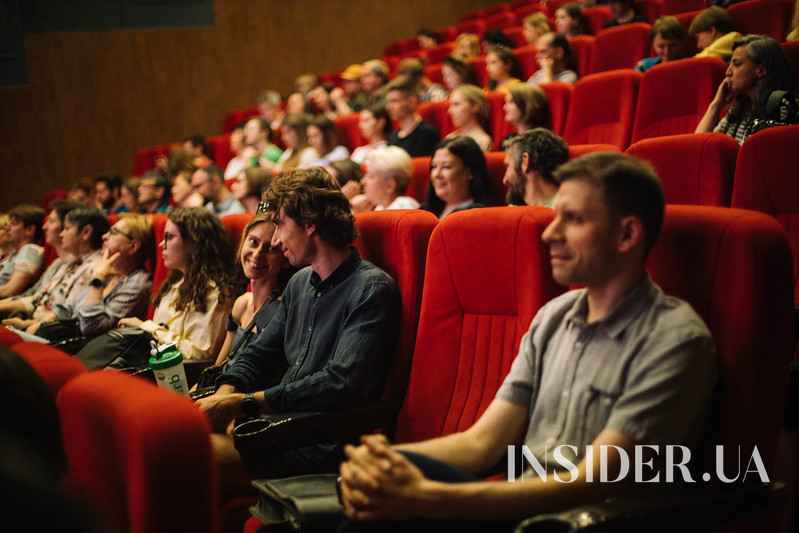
458	343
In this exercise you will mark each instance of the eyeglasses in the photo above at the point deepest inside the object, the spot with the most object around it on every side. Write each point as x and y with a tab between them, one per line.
169	236
263	207
114	231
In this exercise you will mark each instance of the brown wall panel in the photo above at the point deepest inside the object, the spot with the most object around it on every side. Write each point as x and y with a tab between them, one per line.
94	98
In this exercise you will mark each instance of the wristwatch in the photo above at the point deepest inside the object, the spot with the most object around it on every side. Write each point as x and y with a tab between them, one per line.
97	283
249	406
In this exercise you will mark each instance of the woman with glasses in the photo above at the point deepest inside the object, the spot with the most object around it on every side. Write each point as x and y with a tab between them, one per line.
119	286
192	303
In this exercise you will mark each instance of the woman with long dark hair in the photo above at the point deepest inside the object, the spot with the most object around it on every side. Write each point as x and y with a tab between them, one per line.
758	87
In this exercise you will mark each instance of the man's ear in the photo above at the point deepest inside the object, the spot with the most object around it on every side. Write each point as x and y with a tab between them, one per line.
631	233
310	229
559	53
525	162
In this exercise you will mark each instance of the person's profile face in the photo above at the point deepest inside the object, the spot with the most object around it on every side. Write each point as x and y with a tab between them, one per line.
52	229
173	249
452	77
513	114
582	236
292	239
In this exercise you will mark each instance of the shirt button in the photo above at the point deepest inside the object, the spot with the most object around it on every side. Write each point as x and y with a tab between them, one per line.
310	328
297	363
318	294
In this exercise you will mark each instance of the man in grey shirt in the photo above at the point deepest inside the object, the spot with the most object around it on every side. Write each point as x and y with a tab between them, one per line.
617	363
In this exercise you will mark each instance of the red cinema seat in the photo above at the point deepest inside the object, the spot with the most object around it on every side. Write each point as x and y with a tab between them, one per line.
495	163
49	196
8	337
446	34
433	73
159	271
476	26
500	128
553	6
478	65
396	241
219	150
55	367
502	7
516	36
651	9
791	50
674	96
596	17
139	455
559	94
765	181
674	7
689	41
234	224
602	108
526	56
524	8
695	168
473	15
392	49
501	20
437	114
143	161
577	150
420	179
437	54
762	17
477	304
621	47
237	116
582	49
348	130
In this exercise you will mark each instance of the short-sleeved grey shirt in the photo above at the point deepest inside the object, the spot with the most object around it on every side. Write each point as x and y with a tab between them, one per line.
646	370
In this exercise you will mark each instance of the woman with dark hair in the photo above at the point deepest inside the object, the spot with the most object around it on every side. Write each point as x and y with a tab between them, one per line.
758	88
268	272
323	137
458	177
504	69
456	72
193	301
375	125
249	185
569	20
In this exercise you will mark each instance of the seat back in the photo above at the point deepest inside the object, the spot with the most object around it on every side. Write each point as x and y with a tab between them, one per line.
487	275
238	116
54	366
160	271
526	56
437	114
674	7
8	337
602	108
396	241
437	54
674	96
791	50
765	181
733	267
762	17
234	224
495	164
219	149
559	94
621	47
139	455
596	17
688	41
500	20
420	178
348	130
582	48
500	128
695	169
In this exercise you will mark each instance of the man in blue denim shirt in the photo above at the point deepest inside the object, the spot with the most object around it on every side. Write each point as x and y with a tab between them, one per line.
336	328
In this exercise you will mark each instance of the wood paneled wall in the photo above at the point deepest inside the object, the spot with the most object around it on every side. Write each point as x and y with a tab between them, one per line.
94	98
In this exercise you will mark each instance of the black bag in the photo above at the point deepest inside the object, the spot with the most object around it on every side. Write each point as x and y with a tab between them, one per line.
300	503
120	348
59	330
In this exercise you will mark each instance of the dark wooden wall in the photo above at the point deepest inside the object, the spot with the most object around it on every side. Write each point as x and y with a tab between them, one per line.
94	98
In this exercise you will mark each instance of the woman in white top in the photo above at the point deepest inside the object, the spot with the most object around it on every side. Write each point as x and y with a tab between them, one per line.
388	174
375	125
323	137
470	113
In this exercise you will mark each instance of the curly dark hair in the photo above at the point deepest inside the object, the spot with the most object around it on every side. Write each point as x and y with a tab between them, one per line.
212	259
312	197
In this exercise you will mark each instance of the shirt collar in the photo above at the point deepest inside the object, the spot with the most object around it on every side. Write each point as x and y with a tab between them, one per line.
627	310
340	273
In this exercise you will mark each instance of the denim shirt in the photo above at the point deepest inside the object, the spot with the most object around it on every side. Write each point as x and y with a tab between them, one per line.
337	336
